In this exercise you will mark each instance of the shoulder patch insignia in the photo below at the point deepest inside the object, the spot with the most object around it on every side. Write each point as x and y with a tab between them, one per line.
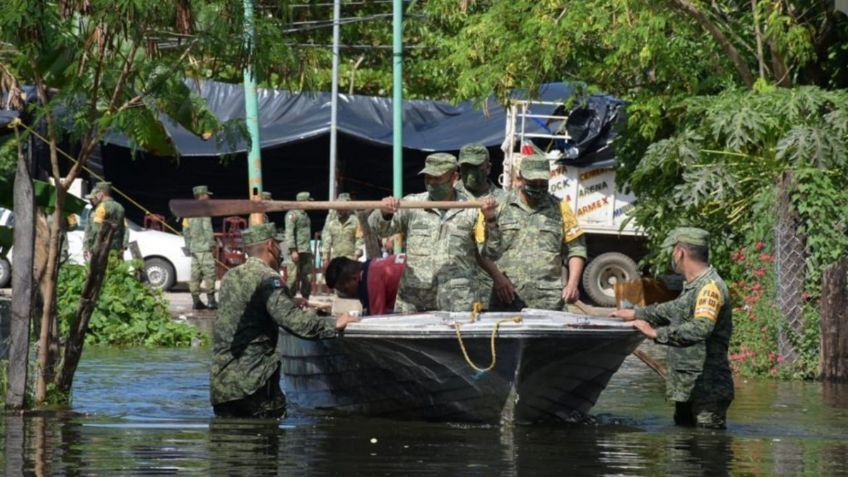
480	228
570	227
185	224
99	214
709	302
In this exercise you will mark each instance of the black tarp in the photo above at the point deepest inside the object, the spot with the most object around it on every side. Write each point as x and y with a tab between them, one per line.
294	132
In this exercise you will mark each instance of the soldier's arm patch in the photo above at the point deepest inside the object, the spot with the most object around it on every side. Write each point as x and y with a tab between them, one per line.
709	302
570	227
185	224
99	214
480	228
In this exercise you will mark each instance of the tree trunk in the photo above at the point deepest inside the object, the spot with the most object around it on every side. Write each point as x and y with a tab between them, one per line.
834	322
24	236
790	264
45	366
88	299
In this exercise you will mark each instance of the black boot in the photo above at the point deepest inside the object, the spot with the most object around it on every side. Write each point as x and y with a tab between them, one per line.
210	302
196	303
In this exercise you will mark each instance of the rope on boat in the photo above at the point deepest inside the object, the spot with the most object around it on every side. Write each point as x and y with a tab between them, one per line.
475	313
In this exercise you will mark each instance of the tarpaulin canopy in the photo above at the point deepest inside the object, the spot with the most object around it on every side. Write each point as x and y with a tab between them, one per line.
286	117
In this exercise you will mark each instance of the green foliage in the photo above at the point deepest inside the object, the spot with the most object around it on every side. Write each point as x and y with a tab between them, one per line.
727	155
127	312
8	155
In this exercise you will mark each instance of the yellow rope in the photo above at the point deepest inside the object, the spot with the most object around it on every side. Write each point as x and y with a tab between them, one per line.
475	311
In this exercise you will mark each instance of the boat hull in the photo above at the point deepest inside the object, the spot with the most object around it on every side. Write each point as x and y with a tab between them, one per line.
421	373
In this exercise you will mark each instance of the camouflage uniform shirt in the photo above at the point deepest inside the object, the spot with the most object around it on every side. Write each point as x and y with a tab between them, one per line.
696	326
343	239
532	246
298	228
482	282
254	303
198	234
440	250
106	210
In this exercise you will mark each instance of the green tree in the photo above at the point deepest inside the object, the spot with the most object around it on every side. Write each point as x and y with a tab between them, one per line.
99	66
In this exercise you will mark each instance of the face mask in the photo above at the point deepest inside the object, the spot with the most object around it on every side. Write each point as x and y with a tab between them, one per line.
343	216
439	191
473	178
534	193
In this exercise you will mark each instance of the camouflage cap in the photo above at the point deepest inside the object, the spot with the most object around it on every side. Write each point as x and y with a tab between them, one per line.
688	235
344	197
439	164
259	233
473	154
266	195
535	167
303	196
101	186
200	190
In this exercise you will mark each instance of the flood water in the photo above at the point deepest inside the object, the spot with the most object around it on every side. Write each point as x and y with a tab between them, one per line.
147	412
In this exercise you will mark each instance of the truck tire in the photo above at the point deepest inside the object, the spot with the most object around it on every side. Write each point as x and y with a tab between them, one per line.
160	273
603	272
5	273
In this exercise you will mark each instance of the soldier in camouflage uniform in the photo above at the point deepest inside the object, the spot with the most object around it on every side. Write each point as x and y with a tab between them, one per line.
537	232
105	209
440	245
696	327
245	372
474	169
342	235
200	243
300	269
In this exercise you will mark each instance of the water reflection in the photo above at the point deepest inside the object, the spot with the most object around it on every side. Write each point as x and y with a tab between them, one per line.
147	413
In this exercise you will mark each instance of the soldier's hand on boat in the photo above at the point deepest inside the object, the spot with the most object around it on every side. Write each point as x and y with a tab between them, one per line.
504	289
624	314
390	206
645	328
489	207
344	319
570	293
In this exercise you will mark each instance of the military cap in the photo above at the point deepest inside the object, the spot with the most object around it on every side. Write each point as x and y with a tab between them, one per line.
304	196
101	186
535	167
266	195
687	235
259	233
473	154
344	197
438	164
200	190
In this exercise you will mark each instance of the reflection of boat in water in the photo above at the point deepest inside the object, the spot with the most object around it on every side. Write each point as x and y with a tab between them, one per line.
551	366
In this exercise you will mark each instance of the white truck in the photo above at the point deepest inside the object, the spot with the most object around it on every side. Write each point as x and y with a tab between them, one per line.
614	246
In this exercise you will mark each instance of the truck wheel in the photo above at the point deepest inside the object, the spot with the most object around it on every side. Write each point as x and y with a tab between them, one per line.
160	273
604	272
5	273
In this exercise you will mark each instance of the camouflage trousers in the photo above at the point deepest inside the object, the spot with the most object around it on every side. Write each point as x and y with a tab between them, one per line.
455	294
202	270
299	275
265	403
707	414
543	299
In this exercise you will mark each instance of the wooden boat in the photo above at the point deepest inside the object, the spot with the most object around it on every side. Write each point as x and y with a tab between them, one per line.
550	366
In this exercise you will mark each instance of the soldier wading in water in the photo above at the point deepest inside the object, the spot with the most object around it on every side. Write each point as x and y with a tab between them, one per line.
245	374
696	327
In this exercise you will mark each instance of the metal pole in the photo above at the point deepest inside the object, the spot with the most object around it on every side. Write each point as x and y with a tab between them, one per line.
397	98
251	109
334	104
